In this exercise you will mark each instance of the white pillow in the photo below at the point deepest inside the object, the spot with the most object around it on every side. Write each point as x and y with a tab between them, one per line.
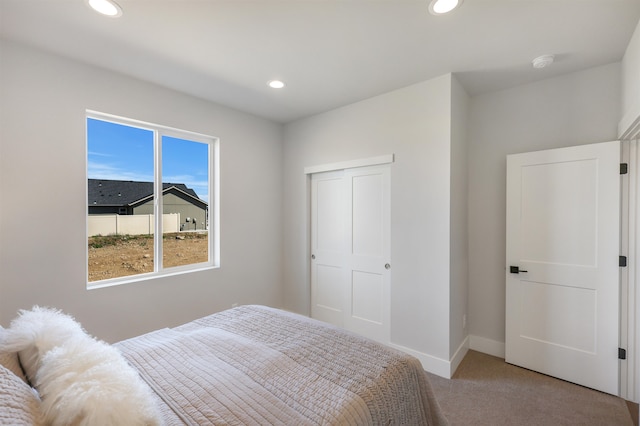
19	403
10	360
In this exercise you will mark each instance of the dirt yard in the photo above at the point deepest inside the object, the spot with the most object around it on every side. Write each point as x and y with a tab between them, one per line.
121	255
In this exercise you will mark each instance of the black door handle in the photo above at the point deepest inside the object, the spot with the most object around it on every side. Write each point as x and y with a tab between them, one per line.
516	269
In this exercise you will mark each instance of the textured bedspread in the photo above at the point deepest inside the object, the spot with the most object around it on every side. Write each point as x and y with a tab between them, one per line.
254	365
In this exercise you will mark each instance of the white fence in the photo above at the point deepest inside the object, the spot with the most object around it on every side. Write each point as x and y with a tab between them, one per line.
109	224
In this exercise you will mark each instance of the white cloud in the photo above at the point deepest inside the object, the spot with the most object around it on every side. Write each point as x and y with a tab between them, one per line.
96	170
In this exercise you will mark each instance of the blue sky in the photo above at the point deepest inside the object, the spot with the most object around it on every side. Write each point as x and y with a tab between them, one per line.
121	152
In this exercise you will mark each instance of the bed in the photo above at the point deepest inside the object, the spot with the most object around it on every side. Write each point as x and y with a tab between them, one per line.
254	365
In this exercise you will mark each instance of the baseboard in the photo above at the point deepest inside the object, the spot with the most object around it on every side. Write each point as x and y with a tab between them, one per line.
487	346
457	357
438	366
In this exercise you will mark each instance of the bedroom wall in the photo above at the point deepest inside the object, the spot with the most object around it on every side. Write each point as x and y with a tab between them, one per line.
459	257
414	123
575	109
631	83
43	188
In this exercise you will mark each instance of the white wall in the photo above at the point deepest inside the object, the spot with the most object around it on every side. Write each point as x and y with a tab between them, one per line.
574	109
631	83
414	123
43	170
459	258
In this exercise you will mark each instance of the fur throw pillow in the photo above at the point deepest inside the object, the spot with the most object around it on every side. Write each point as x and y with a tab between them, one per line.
81	380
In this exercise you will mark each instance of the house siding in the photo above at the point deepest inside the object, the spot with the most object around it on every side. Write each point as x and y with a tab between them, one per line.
173	203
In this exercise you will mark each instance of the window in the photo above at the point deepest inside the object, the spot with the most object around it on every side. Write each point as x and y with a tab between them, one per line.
152	205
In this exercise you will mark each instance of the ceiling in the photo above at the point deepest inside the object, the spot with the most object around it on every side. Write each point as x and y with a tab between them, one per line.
329	52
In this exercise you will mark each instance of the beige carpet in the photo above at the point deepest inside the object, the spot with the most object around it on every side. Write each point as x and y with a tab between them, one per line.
487	391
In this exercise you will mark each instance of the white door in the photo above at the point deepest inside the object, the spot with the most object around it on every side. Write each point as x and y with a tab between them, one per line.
350	237
562	278
328	272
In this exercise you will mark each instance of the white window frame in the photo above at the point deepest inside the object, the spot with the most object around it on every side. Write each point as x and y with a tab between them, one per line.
213	214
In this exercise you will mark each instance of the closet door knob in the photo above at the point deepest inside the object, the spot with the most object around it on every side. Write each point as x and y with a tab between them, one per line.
387	266
313	256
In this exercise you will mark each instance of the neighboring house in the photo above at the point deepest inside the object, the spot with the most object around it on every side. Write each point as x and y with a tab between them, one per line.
130	198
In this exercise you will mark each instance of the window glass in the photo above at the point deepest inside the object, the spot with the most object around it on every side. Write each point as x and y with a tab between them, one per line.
185	183
148	192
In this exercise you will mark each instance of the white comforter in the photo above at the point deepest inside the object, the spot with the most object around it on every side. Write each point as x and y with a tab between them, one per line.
254	365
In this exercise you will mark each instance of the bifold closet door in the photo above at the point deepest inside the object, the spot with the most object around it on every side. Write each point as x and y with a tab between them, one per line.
351	266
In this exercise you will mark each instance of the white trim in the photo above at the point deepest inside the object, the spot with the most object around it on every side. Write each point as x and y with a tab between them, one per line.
446	369
487	346
633	336
129	279
158	208
629	126
166	130
214	203
627	279
458	356
437	366
632	271
350	164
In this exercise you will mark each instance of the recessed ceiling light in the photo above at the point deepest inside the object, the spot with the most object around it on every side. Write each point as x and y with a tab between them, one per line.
542	61
439	7
276	84
106	7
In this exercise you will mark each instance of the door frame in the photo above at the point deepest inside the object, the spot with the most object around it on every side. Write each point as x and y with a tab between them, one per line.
630	276
628	302
350	164
629	134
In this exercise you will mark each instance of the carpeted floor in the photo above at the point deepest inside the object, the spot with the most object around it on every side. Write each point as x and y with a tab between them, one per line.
487	391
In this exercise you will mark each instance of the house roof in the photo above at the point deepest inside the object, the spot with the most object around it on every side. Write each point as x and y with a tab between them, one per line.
105	192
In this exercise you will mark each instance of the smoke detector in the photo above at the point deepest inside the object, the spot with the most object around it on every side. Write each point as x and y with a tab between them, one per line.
542	61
